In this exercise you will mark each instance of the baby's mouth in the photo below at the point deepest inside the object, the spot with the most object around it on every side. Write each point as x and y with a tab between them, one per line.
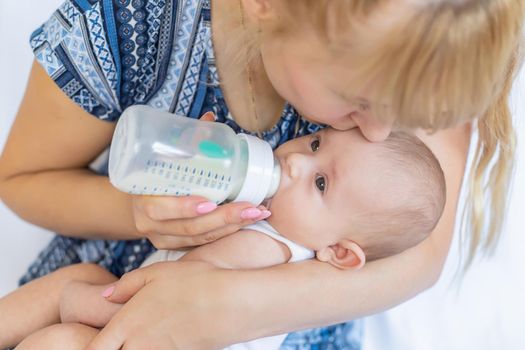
267	203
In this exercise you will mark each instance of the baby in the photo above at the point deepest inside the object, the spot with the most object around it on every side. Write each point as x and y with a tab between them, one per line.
341	199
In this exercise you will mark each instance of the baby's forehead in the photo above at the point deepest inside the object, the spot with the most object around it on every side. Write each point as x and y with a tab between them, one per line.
349	142
352	134
361	165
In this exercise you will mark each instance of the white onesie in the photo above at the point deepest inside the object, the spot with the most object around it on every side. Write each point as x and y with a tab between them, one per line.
297	253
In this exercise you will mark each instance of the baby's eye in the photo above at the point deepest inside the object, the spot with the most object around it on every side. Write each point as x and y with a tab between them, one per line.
314	145
320	183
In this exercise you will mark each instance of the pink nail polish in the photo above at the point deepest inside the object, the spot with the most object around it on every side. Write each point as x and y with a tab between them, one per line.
265	214
206	207
107	293
250	213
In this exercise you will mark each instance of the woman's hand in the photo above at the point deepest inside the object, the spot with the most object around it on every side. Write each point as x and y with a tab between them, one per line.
162	313
174	222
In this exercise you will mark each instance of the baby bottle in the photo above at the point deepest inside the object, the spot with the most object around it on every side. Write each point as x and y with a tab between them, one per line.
159	153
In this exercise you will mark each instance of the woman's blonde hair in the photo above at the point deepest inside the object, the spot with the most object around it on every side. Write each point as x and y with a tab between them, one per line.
439	63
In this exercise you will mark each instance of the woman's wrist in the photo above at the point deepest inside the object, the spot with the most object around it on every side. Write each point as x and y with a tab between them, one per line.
76	201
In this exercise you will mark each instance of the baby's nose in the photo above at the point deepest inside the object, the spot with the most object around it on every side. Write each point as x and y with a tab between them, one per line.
297	162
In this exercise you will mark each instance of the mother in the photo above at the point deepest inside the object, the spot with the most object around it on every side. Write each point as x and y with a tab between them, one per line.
441	64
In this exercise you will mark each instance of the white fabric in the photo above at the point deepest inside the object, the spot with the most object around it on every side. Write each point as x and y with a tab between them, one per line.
298	252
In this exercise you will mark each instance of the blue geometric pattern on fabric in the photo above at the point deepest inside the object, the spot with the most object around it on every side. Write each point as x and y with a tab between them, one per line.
56	29
71	88
344	336
112	38
184	30
101	48
85	100
38	38
78	49
116	257
49	60
109	54
151	54
192	75
70	12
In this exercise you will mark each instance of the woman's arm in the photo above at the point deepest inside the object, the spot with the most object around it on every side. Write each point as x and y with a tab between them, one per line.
44	175
235	305
44	178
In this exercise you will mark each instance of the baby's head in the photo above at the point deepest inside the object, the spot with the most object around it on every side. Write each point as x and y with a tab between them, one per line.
347	198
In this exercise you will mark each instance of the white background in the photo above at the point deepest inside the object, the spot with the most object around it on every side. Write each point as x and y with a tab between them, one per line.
484	312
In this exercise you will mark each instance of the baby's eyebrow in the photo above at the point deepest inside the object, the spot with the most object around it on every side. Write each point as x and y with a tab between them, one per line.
334	171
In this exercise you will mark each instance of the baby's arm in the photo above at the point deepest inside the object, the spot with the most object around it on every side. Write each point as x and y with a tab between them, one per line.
245	249
81	302
36	305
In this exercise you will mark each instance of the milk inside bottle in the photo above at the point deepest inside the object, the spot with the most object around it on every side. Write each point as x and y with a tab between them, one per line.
159	153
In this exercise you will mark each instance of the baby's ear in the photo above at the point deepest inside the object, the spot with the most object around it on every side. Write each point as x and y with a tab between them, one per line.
346	254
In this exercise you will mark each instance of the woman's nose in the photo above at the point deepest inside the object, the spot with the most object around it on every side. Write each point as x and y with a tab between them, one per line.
373	129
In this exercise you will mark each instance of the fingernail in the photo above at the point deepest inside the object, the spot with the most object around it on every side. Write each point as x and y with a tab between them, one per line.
107	293
250	213
264	215
206	207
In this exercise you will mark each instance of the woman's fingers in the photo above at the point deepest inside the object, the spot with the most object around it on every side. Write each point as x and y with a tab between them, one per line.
160	208
161	311
229	214
174	222
170	241
195	230
112	336
208	117
127	286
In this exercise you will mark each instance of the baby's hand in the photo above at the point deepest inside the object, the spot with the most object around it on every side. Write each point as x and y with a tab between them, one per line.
81	302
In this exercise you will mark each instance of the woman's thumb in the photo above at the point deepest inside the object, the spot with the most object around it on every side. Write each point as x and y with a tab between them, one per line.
125	288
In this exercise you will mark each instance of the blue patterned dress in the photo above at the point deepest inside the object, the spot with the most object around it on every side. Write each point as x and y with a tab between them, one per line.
109	54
